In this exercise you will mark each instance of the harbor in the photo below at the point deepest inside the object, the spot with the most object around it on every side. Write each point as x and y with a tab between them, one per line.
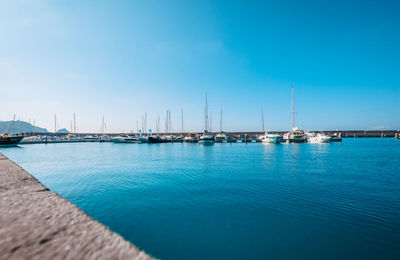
193	130
187	201
232	137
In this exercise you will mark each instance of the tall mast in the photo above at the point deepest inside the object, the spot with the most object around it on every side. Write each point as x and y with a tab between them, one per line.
220	121
74	124
182	120
11	126
169	121
166	122
206	115
262	118
55	123
210	122
158	125
292	107
145	122
102	126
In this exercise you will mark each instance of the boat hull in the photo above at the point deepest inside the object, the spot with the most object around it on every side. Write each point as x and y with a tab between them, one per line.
190	140
272	140
206	142
124	141
10	140
297	139
155	140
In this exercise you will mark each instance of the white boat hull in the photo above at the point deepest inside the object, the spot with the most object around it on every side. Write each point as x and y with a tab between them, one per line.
272	140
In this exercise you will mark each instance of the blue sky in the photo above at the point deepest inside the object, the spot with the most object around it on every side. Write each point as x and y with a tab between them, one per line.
121	59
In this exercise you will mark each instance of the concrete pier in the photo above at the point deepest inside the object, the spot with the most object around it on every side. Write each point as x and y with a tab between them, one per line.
36	223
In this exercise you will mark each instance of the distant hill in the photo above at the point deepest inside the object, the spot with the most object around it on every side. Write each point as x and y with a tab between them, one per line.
11	127
63	131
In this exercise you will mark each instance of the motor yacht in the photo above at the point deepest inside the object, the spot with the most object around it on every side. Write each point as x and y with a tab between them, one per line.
295	136
206	138
124	139
319	138
271	137
90	138
221	138
190	138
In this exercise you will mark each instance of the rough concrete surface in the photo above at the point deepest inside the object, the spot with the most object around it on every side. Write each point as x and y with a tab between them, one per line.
36	223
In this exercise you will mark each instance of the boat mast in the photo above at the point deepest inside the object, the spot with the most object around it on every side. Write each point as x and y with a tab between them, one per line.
262	118
145	122
102	126
292	107
206	115
11	126
169	121
158	125
182	120
74	124
220	121
210	122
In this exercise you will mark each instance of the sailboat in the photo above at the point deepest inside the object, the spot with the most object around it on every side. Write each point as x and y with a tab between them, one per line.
206	137
296	135
103	137
221	137
7	140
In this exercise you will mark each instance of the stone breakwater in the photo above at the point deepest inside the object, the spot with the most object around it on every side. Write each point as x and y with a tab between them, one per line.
36	223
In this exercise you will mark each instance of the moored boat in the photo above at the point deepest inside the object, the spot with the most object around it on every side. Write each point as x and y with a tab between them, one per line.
6	140
90	138
295	136
319	138
155	139
190	138
221	138
124	139
336	137
271	137
206	138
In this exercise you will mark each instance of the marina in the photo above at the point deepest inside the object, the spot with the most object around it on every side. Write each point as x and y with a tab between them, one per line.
226	137
191	130
184	200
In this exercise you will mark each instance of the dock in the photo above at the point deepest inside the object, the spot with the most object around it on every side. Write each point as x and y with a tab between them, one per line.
36	223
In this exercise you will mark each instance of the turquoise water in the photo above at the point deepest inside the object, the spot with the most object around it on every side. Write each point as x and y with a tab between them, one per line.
234	201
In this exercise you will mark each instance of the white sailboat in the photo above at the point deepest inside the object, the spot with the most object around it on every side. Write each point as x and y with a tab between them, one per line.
206	137
221	137
296	135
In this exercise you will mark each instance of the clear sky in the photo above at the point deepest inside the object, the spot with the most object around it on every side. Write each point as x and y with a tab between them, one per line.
121	59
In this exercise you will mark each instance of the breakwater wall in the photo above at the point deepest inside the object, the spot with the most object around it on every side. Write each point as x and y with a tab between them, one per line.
36	223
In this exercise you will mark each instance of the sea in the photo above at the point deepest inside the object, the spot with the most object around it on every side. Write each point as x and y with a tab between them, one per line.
233	201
